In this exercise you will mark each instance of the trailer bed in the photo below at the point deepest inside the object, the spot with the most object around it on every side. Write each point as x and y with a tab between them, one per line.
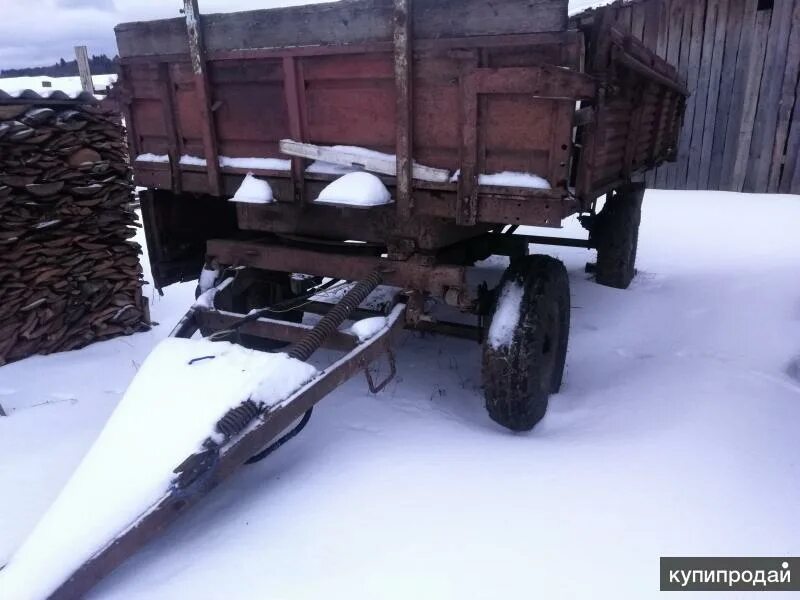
501	88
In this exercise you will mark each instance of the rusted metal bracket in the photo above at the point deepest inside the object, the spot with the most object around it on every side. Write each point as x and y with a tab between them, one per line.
392	372
411	274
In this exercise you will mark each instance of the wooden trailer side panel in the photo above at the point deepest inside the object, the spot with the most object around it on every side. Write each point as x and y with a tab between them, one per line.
344	22
638	112
350	99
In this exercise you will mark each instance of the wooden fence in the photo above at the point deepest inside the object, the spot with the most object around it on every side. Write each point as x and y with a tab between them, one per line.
741	61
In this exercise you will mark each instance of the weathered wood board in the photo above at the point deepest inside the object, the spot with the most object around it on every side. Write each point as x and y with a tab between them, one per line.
741	59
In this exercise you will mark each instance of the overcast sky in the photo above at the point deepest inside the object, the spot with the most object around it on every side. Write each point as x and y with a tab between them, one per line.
39	32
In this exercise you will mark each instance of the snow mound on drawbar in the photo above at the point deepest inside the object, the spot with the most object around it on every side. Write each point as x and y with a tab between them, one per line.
356	189
368	328
170	408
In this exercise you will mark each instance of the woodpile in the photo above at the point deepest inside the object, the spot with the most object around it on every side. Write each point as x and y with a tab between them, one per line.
69	271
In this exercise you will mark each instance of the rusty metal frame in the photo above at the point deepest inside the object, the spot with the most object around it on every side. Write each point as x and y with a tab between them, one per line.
416	273
220	320
232	456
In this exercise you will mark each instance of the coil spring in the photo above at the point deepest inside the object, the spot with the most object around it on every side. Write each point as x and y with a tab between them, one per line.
236	419
303	349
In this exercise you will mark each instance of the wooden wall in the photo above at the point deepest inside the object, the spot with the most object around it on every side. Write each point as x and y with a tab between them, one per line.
741	60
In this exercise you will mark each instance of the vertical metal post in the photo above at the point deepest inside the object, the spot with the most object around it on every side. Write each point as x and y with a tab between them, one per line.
403	58
202	89
82	58
168	110
467	198
294	92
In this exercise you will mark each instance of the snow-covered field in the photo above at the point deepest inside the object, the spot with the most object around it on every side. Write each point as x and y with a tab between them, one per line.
71	86
676	433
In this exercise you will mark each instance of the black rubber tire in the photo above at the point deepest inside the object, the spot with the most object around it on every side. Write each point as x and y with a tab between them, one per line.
255	288
615	234
519	377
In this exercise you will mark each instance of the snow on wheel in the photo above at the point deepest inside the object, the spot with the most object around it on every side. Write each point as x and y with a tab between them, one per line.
615	234
526	346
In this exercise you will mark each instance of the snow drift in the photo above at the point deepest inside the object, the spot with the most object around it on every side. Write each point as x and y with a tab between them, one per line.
170	408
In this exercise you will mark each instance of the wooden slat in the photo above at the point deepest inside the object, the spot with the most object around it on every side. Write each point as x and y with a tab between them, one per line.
560	142
202	91
663	27
733	29
635	127
676	8
134	146
790	179
655	176
170	121
702	100
376	164
352	22
787	103
652	22
693	59
740	86
714	77
685	37
637	20
766	119
749	98
294	94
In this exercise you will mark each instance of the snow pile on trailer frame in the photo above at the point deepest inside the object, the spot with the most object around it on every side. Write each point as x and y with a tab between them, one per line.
171	407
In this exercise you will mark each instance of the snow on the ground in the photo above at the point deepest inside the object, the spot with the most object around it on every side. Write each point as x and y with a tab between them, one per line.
71	86
171	407
359	189
578	6
254	191
675	433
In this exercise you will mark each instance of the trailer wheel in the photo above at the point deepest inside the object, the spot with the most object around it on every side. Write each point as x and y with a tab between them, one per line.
526	345
256	288
615	234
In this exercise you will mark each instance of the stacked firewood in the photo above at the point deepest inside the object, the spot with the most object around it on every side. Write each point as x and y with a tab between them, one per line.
69	271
